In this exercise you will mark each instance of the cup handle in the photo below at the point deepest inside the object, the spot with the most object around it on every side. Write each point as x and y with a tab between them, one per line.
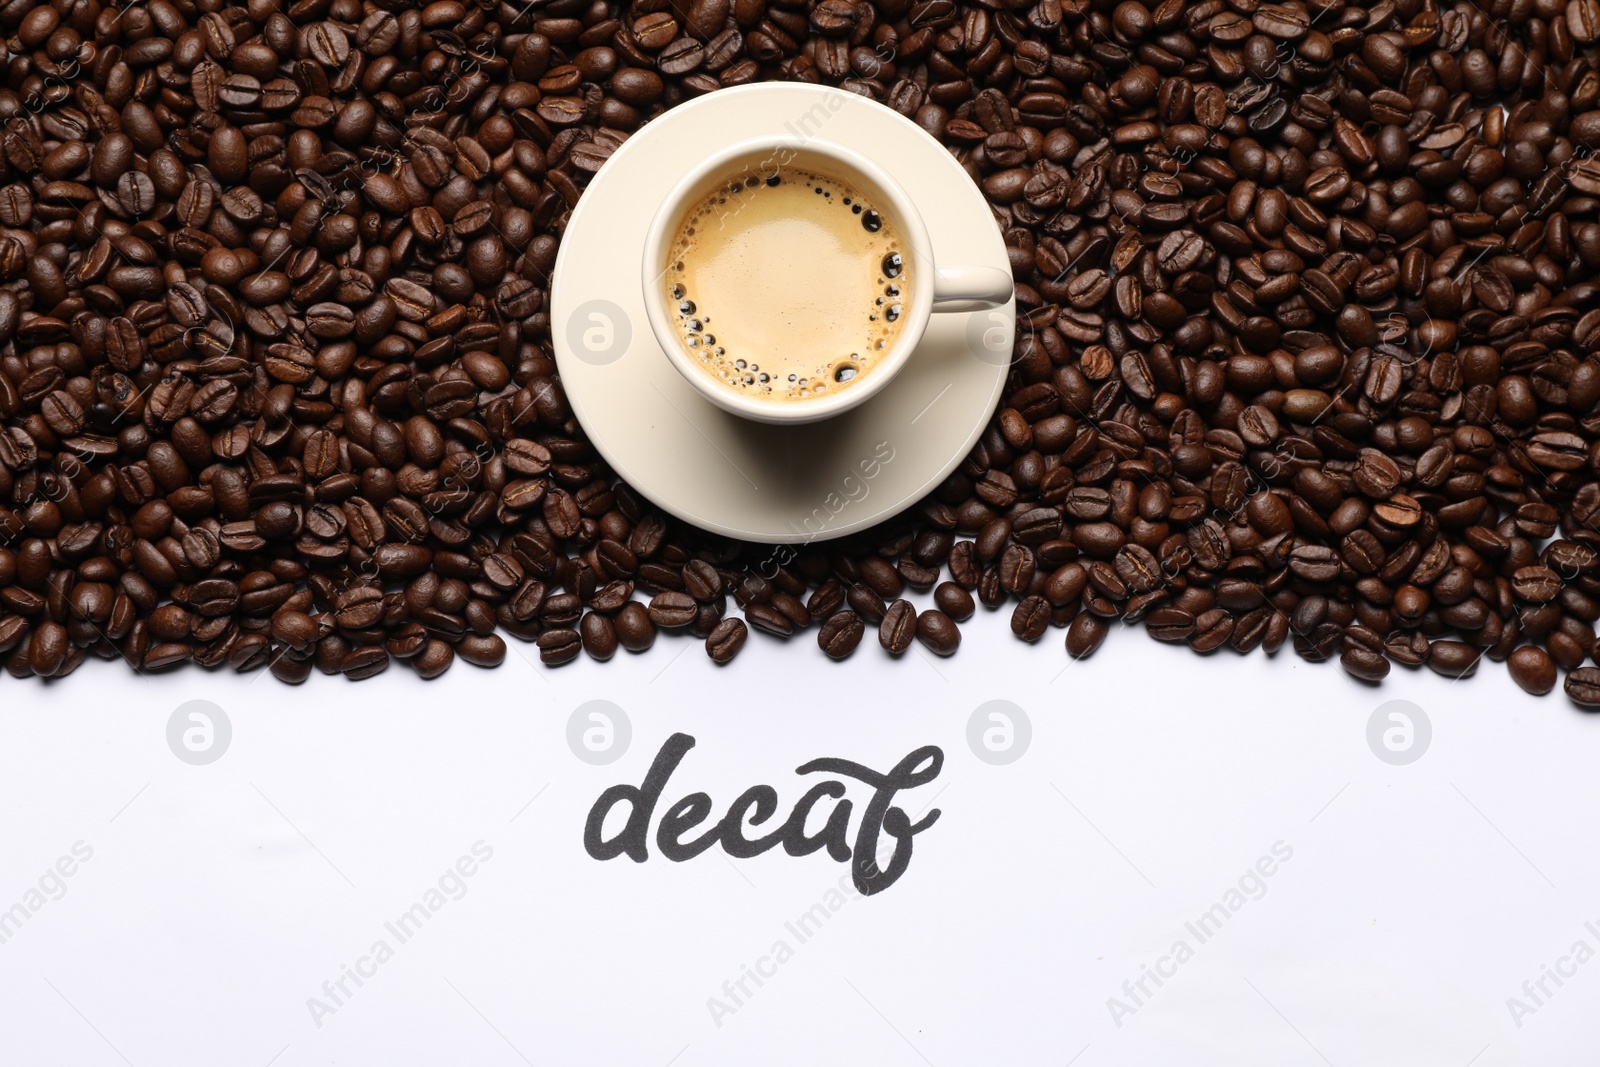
968	288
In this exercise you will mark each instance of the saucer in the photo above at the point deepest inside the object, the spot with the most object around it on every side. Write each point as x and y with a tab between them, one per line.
715	470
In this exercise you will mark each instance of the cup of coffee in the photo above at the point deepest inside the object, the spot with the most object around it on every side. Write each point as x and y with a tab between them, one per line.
789	280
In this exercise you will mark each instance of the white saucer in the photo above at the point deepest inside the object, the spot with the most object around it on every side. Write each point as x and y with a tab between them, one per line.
713	469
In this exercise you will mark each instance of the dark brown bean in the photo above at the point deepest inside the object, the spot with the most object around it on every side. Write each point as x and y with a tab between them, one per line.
1453	659
840	634
898	627
954	601
1030	619
1085	635
938	633
769	620
726	640
672	610
1532	669
559	645
635	631
599	635
433	660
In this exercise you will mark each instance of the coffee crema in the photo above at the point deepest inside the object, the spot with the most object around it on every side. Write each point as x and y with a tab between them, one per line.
787	284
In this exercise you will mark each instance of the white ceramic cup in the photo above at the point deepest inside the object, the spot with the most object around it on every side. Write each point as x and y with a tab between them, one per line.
933	287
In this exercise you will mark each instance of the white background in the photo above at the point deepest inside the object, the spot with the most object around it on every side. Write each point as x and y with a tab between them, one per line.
220	898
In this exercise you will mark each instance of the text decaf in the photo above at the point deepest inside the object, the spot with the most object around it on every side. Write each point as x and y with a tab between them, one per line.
758	804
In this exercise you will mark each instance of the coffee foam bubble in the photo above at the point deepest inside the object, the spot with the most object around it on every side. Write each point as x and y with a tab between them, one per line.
786	284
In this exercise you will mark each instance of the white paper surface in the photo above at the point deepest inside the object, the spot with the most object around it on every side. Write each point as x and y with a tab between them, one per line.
1407	904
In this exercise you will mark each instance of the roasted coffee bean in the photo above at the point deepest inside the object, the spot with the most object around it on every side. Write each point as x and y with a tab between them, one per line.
1085	635
599	635
726	640
48	651
840	634
826	599
1365	663
1029	621
558	646
434	659
707	617
635	631
1583	687
1212	629
701	580
792	609
368	660
898	627
752	589
866	603
672	610
293	671
1536	585
769	620
295	629
407	641
330	654
881	577
954	601
938	633
1016	569
1170	624
1532	669
1453	659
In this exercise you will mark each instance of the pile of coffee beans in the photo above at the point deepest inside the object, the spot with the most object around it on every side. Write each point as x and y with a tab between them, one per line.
1306	351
